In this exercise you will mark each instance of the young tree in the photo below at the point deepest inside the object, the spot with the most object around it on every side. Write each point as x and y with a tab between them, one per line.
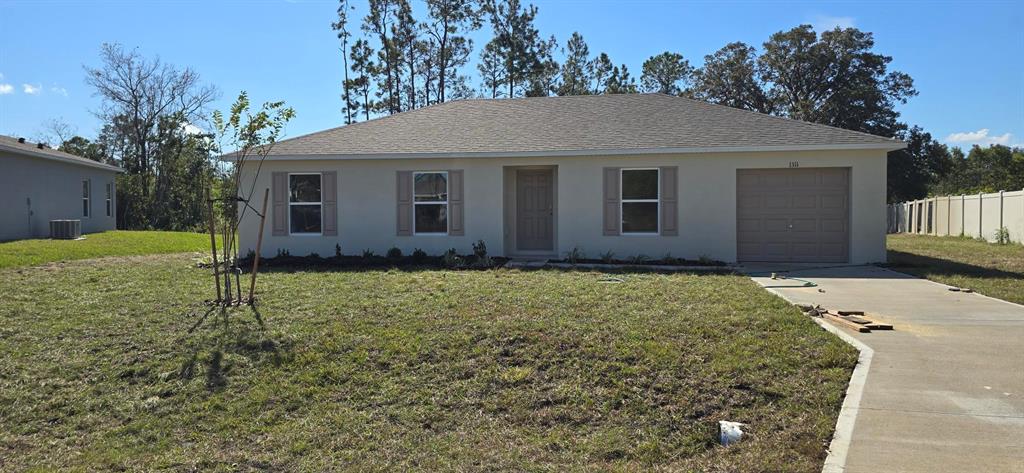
577	70
665	72
364	68
252	136
602	70
730	77
449	24
341	26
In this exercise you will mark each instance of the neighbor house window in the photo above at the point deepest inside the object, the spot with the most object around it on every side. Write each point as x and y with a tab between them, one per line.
304	204
640	201
86	191
110	196
430	202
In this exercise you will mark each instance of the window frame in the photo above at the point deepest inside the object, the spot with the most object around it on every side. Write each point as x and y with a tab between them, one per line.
110	197
86	198
319	203
445	203
656	200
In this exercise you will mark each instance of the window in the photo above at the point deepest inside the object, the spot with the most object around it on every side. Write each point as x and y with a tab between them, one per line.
640	194
430	202
86	191
110	196
304	204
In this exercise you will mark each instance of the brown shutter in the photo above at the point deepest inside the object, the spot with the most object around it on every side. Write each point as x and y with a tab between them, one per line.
456	201
404	186
612	197
329	189
669	201
279	196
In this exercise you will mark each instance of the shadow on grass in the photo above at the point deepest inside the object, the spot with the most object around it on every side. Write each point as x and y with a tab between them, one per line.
210	347
915	263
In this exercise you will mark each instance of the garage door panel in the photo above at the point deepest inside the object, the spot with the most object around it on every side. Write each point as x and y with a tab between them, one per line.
833	179
804	225
798	215
833	225
776	225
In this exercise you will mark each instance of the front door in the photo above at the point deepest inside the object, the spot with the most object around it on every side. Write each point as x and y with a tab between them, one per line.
534	210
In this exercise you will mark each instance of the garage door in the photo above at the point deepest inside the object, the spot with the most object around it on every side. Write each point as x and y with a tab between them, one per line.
797	215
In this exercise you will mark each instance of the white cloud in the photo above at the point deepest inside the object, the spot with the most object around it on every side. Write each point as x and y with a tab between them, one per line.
980	137
191	129
59	90
6	89
31	89
826	23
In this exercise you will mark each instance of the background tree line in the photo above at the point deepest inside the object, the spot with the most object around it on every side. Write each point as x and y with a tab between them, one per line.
397	58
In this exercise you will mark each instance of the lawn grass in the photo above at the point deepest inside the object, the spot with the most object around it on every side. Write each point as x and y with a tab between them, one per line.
988	268
392	370
95	245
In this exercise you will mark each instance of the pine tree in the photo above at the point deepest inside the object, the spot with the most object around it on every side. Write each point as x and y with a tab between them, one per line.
492	68
577	71
665	72
517	41
450	21
341	26
601	69
365	69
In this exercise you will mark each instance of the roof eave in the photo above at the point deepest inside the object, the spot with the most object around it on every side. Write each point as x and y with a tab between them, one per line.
890	146
69	160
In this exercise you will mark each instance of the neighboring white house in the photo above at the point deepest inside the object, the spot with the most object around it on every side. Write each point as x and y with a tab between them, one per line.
39	184
633	174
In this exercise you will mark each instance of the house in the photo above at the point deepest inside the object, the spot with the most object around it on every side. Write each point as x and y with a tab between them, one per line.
632	174
39	184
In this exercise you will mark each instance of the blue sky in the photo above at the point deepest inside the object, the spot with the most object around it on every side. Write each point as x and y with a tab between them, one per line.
966	58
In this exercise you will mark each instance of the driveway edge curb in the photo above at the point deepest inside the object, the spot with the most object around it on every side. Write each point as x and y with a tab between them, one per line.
835	462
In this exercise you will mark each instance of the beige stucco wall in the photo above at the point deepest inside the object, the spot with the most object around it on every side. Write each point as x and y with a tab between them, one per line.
707	204
54	190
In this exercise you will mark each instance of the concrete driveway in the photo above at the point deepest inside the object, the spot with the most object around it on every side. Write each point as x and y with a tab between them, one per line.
944	391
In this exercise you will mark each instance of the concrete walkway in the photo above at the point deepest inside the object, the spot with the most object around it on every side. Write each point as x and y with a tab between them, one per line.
944	390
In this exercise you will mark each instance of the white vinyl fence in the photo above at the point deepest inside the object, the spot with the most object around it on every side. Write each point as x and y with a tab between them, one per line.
978	215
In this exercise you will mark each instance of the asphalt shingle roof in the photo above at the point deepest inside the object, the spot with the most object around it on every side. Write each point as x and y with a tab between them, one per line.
11	144
598	123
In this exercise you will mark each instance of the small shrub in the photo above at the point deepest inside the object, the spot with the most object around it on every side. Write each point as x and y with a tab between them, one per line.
337	250
451	259
706	260
368	253
251	255
639	259
1002	236
418	255
608	257
394	253
480	249
283	252
574	255
672	260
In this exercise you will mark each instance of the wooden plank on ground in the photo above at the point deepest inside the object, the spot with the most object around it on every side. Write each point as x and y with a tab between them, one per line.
839	320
